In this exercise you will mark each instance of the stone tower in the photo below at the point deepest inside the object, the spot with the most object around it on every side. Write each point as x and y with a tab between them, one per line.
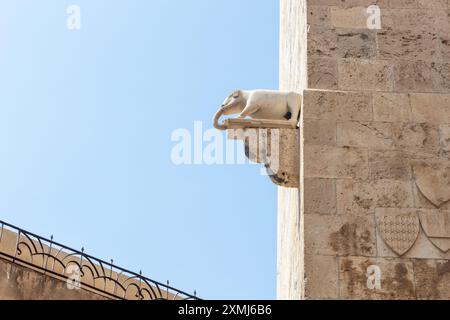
371	218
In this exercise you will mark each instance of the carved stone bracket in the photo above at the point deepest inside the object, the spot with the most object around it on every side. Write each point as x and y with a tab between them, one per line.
276	148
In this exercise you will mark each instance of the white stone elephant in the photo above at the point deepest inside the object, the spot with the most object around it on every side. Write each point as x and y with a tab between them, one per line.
267	105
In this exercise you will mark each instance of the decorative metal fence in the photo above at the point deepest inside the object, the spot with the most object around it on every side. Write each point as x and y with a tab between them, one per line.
81	270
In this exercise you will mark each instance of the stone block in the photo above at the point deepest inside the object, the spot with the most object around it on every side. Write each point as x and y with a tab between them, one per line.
414	20
397	279
319	196
319	15
322	73
432	279
365	134
406	45
340	235
420	137
337	105
445	137
394	165
364	197
372	75
342	43
319	132
434	108
391	107
437	5
417	76
332	162
354	17
319	104
354	106
402	4
383	135
321	277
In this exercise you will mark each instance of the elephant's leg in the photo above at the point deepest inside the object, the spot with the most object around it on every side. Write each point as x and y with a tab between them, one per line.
249	110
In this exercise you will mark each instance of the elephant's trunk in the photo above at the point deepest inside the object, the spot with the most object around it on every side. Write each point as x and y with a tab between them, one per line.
216	123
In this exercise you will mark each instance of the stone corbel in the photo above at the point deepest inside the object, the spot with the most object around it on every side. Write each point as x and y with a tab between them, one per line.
270	134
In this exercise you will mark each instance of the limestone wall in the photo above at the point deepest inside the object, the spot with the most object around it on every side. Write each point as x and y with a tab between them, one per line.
410	53
375	179
20	283
293	77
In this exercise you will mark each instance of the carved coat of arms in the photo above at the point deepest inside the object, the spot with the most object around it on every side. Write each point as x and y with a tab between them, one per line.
433	182
399	230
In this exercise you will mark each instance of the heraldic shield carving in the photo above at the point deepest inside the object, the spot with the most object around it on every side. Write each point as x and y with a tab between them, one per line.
436	226
433	182
399	230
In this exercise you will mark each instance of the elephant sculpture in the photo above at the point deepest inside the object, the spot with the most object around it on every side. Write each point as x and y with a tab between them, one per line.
266	107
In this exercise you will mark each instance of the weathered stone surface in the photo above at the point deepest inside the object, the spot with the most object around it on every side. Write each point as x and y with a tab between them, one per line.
321	275
421	137
318	104
320	196
443	76
406	45
432	279
354	106
322	73
337	105
415	20
355	17
422	76
417	76
433	4
431	108
364	134
402	4
319	15
445	137
386	164
397	279
364	197
433	181
332	162
445	47
355	74
342	43
340	235
319	132
20	283
391	107
384	135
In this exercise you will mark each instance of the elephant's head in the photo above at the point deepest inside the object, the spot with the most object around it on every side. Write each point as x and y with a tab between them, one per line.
233	104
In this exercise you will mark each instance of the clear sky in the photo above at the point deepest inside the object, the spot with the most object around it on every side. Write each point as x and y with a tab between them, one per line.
86	119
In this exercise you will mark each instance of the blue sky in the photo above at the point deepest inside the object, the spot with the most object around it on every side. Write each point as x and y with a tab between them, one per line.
86	119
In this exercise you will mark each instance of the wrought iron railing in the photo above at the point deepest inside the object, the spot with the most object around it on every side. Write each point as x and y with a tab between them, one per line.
81	270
